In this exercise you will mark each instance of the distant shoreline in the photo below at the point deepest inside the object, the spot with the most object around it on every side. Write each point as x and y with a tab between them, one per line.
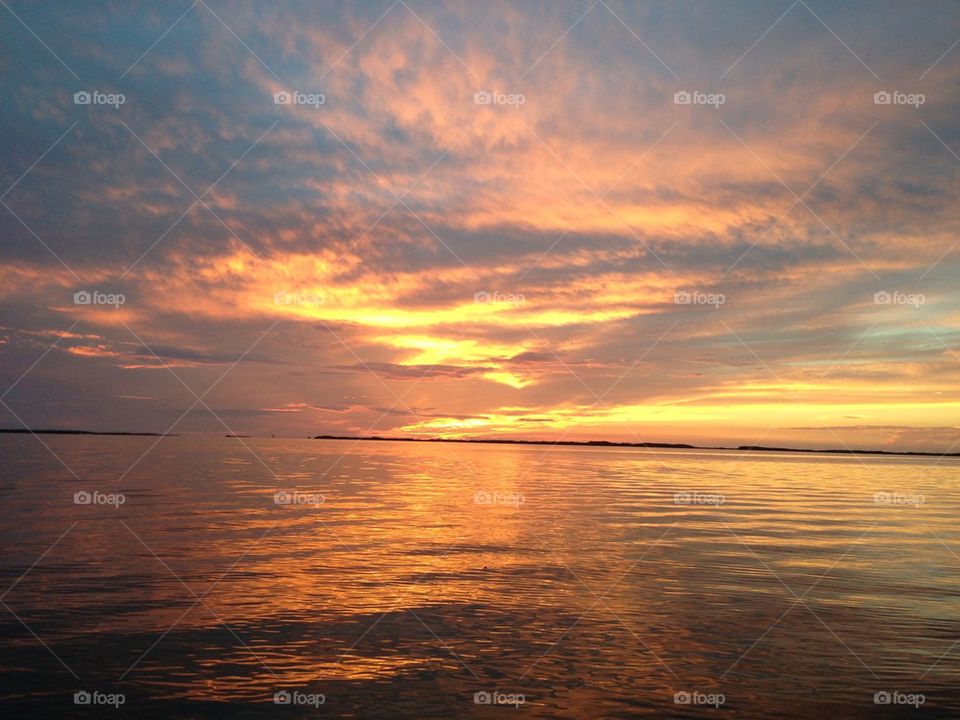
668	446
27	431
494	441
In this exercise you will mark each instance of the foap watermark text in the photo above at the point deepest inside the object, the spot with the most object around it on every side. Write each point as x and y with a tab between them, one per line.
95	97
295	97
495	297
696	697
95	497
695	297
695	97
298	697
295	497
496	697
895	97
96	297
895	498
511	499
484	97
95	697
698	498
894	297
896	697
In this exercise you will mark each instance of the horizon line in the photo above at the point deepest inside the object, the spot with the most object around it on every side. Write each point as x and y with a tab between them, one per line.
498	441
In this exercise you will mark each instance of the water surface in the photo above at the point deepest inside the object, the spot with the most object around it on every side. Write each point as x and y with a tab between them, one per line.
405	578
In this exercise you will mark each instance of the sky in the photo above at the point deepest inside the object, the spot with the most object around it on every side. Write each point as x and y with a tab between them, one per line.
704	222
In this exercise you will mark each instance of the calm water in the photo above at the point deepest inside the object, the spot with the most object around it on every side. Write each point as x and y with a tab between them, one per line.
405	578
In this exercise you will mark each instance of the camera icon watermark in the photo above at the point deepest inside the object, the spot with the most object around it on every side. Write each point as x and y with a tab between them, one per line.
95	297
485	97
297	697
885	297
895	97
295	97
95	97
685	297
495	697
695	97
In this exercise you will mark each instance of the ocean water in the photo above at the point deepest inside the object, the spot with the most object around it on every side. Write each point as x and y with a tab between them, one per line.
211	577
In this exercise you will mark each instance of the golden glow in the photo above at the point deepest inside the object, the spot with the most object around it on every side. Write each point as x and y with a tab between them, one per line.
624	420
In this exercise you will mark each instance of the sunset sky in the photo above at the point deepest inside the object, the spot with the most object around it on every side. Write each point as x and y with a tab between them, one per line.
405	258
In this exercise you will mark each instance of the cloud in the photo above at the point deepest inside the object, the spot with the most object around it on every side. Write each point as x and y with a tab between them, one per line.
483	256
